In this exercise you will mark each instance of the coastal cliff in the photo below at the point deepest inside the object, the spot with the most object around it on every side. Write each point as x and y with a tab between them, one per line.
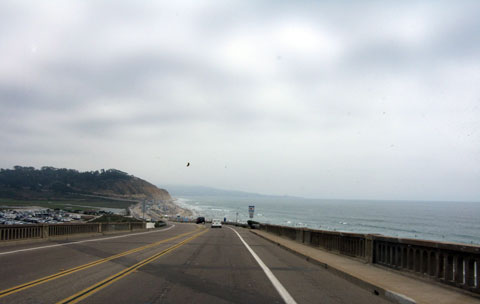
134	188
47	182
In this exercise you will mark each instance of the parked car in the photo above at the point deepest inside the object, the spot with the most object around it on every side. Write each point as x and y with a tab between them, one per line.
253	224
200	220
216	223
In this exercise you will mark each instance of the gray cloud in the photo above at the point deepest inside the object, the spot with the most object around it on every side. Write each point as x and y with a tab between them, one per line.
303	98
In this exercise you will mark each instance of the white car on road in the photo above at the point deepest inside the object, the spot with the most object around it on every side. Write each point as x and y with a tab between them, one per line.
216	223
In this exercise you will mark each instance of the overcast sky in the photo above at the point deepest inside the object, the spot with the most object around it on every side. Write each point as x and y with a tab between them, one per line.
332	99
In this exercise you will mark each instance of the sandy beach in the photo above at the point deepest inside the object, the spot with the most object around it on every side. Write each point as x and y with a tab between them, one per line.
157	210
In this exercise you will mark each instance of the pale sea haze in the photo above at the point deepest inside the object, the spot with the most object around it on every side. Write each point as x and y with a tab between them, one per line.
440	221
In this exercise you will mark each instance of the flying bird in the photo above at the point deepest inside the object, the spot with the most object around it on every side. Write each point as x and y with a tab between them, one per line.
188	164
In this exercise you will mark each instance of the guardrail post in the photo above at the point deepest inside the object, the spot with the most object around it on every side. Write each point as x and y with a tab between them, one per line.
369	248
130	226
307	236
44	231
100	227
298	235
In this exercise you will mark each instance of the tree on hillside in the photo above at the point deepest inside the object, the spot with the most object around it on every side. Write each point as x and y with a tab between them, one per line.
57	179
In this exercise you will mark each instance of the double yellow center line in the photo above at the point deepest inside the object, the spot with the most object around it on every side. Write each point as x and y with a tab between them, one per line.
30	284
110	280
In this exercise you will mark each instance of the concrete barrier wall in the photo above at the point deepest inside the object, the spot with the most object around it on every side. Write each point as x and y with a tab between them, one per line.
23	232
67	229
350	244
449	263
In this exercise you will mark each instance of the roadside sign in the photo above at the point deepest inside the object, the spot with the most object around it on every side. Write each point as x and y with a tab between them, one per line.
251	210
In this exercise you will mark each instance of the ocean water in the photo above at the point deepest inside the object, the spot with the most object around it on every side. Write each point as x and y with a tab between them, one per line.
457	222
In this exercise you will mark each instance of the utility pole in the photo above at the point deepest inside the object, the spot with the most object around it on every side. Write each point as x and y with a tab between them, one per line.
143	208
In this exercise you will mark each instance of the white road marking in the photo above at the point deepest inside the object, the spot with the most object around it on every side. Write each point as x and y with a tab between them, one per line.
276	283
85	241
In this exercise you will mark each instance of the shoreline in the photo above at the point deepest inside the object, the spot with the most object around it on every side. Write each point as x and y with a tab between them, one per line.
159	210
184	210
348	217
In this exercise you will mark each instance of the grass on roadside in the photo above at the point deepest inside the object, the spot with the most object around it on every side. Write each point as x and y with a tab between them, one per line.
114	218
65	204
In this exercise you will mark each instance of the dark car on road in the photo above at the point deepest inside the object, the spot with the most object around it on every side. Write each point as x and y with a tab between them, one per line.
200	220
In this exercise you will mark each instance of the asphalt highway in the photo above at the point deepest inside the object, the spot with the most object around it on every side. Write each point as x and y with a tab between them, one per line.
184	263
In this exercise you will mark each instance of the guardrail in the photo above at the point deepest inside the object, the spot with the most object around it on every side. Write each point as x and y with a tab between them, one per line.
20	232
23	232
449	263
235	224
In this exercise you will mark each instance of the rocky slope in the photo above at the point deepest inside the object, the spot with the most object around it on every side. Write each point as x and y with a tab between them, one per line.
134	188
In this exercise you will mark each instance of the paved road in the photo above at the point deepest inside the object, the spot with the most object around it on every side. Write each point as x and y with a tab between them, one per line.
184	264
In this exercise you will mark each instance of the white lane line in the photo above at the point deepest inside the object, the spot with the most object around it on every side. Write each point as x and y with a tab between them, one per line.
85	241
276	283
